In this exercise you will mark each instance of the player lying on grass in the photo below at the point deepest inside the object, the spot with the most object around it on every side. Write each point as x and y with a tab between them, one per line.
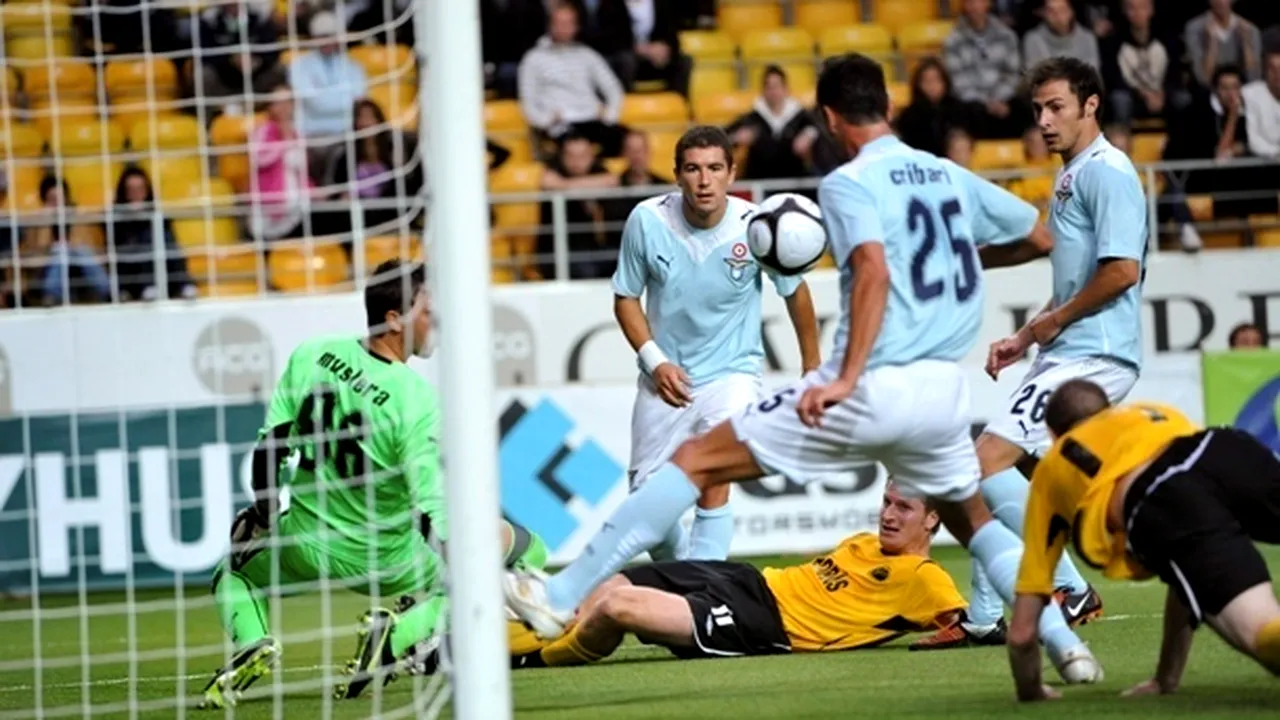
869	590
365	496
1140	491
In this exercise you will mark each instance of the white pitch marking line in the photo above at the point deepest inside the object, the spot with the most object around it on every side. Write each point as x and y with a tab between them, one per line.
158	679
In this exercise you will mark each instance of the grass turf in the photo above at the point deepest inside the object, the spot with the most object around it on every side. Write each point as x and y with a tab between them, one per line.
638	682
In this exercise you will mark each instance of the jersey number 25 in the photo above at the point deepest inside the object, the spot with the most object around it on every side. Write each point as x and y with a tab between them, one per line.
921	219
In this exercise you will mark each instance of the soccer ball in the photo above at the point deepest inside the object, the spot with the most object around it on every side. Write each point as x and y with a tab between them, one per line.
786	234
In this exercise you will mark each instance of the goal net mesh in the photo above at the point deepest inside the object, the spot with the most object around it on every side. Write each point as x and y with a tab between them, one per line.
156	153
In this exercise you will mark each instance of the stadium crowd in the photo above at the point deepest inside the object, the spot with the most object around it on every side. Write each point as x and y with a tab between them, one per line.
257	123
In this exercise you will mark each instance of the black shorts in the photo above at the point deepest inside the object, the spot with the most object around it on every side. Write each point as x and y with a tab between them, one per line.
1193	516
734	612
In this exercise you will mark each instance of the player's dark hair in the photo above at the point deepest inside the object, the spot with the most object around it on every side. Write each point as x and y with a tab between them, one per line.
770	70
852	86
393	286
704	136
1080	76
1072	403
1225	70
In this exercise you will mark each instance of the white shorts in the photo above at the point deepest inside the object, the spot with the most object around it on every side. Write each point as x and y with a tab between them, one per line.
1022	421
914	419
657	429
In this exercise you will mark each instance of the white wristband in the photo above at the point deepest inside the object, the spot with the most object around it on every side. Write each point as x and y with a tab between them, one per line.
651	356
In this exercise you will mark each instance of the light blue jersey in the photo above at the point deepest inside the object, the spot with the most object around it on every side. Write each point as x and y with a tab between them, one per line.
1099	212
930	214
702	286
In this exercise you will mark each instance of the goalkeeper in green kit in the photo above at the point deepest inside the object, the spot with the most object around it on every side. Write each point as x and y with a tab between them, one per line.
365	497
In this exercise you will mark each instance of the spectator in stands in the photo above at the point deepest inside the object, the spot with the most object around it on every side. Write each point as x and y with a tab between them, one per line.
236	40
326	82
71	270
1221	37
1246	336
1141	69
933	111
125	27
133	235
1262	110
981	55
1036	187
656	53
770	129
508	30
1213	128
1060	35
635	149
562	82
960	147
593	249
282	186
605	26
369	164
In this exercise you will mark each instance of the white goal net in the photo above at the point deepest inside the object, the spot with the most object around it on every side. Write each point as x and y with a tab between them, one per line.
190	188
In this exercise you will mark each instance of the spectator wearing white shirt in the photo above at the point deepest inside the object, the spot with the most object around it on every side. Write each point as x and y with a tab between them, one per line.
326	83
566	86
1262	110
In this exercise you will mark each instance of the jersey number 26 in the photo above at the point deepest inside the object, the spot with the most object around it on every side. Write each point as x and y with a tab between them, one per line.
921	219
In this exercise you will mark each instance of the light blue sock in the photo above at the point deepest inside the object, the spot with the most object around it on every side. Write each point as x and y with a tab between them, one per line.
985	605
1000	551
711	534
1006	495
638	524
673	547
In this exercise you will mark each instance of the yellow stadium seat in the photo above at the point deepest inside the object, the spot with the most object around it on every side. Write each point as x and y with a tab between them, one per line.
151	78
518	145
47	116
868	39
776	44
24	187
227	288
20	140
502	275
653	110
662	153
817	15
1147	147
131	114
72	79
518	220
173	169
307	266
735	19
615	165
1267	237
381	248
9	91
707	79
702	45
899	96
516	177
722	108
924	37
991	154
34	18
86	137
38	47
170	132
92	183
233	130
897	14
504	116
399	104
1222	240
1201	207
802	77
216	264
194	191
202	232
385	64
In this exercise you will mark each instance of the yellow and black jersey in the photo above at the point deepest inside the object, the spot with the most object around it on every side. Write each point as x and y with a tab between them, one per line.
857	596
1072	486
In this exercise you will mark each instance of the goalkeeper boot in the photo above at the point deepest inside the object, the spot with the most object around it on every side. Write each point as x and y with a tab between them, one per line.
248	665
526	593
1078	608
373	660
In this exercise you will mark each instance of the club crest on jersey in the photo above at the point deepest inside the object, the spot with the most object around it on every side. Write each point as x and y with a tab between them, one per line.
881	573
1063	193
738	261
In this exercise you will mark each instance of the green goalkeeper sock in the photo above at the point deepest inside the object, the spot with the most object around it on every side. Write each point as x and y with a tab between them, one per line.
418	624
527	551
242	608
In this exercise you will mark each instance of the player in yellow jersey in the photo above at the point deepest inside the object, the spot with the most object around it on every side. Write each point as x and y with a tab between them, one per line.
1139	491
869	590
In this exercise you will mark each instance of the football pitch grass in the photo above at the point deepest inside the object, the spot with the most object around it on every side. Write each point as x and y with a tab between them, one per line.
637	682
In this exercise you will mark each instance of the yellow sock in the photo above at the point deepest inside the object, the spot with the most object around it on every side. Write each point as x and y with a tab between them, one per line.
521	639
569	650
1267	646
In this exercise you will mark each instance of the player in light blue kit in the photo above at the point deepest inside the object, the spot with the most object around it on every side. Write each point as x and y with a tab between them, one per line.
1090	329
903	226
698	338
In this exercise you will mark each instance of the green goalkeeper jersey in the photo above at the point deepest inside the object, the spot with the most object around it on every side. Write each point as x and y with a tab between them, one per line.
366	432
